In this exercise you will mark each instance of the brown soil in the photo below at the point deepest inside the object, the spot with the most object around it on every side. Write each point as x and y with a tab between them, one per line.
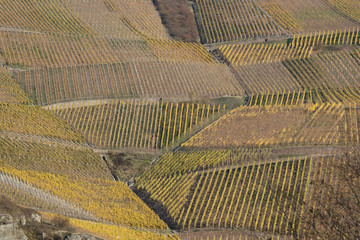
126	165
178	18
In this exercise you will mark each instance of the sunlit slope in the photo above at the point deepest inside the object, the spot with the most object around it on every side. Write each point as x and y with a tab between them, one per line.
115	19
45	165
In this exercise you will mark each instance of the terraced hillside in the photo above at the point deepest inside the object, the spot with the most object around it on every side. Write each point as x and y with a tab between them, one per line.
248	190
240	20
137	123
252	132
46	165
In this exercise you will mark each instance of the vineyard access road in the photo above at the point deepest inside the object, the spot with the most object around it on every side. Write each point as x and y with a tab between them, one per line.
291	154
5	29
41	139
214	46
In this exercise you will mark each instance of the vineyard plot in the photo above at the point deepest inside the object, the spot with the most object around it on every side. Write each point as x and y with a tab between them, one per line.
137	123
34	120
25	152
263	196
130	79
263	126
308	16
56	50
41	16
26	194
245	54
305	65
96	196
349	8
131	20
250	202
231	20
52	85
10	91
186	80
327	70
173	163
271	78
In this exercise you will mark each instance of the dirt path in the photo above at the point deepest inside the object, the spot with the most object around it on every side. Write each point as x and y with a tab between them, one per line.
81	103
287	154
220	58
41	139
213	46
309	151
10	29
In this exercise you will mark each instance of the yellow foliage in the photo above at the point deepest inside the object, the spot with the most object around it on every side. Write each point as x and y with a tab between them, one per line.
111	231
350	8
282	16
10	91
41	154
108	200
34	120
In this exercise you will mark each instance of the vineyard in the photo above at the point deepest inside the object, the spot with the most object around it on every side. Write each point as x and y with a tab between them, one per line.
229	20
24	152
55	50
260	194
308	16
46	165
94	196
264	53
325	124
137	123
303	68
334	75
113	232
191	161
125	80
239	20
34	120
117	119
26	194
264	194
121	19
10	92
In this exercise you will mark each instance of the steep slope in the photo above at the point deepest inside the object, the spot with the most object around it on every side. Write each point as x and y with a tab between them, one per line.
51	169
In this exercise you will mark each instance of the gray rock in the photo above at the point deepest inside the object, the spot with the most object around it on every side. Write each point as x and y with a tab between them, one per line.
23	220
6	219
62	234
36	217
82	236
9	229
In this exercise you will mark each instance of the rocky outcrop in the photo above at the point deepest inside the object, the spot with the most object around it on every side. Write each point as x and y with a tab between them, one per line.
21	223
75	236
9	229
